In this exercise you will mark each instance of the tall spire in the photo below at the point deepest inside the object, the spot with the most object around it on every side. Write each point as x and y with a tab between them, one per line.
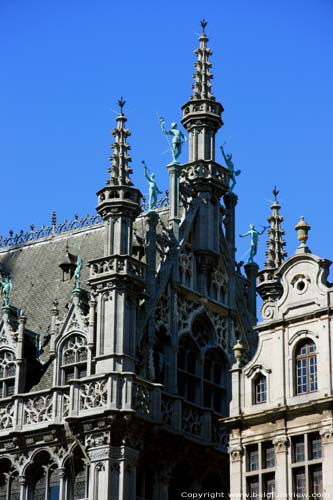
269	286
275	253
202	76
120	170
202	114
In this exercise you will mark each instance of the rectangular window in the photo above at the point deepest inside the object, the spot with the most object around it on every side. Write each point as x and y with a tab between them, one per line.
316	479
260	390
253	459
314	447
253	487
299	482
299	450
301	376
313	373
269	485
268	456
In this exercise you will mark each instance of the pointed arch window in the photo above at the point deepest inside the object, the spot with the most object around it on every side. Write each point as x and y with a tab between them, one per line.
9	484
43	479
74	357
214	381
7	373
188	366
306	367
260	389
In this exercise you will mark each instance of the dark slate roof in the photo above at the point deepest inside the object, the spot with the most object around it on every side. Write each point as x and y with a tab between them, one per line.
37	278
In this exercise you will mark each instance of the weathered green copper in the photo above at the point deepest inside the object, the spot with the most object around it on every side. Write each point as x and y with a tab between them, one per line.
178	138
77	273
232	172
7	286
254	240
153	189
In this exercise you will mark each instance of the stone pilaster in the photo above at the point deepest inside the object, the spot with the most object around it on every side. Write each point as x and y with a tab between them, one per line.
174	170
100	479
327	449
281	444
236	471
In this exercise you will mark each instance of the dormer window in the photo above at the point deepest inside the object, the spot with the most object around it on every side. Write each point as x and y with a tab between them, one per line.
7	374
260	389
74	359
306	367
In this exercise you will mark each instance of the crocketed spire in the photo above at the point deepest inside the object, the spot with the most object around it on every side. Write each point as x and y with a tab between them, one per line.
202	76
120	170
275	253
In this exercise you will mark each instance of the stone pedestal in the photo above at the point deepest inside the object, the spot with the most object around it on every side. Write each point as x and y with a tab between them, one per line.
174	170
251	270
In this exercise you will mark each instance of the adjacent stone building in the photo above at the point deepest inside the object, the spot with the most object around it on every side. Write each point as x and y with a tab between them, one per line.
281	415
116	337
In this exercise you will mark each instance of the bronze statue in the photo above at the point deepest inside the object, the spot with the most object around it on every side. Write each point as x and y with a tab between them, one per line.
254	240
178	139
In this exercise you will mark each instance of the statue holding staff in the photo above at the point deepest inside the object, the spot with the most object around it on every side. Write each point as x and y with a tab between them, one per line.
178	139
153	189
77	273
254	240
7	286
232	172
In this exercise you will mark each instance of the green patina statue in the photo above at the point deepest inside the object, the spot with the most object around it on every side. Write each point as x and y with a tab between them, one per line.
153	189
77	273
178	139
254	240
232	172
7	286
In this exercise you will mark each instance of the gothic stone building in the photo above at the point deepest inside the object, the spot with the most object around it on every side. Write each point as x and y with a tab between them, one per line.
114	377
281	416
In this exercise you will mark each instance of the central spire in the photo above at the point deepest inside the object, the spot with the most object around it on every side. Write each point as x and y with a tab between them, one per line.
275	253
202	114
202	76
120	170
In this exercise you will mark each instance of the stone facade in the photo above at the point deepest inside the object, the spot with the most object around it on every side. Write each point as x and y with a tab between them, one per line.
281	412
114	378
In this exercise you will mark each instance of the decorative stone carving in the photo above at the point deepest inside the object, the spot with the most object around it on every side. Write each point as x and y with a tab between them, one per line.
220	326
38	409
236	453
184	310
142	400
7	416
267	310
93	395
99	454
326	435
162	311
192	420
281	443
97	439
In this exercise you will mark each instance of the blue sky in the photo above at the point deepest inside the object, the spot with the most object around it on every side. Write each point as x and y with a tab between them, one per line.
65	63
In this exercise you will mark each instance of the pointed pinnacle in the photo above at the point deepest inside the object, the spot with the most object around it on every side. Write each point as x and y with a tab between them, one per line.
203	24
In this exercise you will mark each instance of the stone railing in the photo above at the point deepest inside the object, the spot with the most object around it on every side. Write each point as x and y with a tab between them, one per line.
117	264
101	393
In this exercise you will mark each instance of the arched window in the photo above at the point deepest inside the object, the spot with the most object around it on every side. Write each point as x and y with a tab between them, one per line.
214	381
7	373
260	389
9	485
76	474
74	358
43	479
188	380
306	367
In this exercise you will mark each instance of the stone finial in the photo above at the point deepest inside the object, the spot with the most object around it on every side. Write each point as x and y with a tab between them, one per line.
302	228
238	351
275	253
120	159
202	76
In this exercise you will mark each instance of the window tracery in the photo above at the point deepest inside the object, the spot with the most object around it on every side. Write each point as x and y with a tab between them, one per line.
74	357
7	373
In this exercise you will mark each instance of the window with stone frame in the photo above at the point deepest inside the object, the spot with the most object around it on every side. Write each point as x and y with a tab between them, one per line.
307	465
7	373
74	357
260	389
306	367
260	470
43	482
9	481
214	381
188	369
76	476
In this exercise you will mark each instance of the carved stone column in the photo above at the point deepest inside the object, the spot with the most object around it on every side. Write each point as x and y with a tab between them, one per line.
62	485
100	473
327	448
236	471
123	473
281	444
22	483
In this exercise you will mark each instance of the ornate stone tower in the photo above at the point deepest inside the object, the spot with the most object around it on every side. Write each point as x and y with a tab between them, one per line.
117	278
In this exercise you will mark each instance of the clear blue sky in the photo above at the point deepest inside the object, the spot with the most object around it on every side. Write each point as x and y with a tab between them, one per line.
65	63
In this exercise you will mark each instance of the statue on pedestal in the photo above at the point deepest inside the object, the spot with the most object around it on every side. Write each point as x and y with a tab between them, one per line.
232	172
7	286
254	240
153	189
178	139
